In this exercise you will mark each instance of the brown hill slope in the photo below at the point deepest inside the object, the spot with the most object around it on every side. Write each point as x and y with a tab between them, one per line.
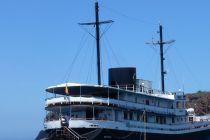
200	101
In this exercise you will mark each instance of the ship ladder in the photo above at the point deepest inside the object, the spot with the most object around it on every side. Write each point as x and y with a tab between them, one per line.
72	134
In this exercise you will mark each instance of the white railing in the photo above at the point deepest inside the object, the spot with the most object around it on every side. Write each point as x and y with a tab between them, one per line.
135	126
124	104
141	89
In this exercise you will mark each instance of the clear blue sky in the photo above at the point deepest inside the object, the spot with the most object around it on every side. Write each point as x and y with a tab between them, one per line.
39	39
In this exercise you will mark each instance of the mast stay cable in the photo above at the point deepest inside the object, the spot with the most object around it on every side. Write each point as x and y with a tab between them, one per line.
89	75
112	51
70	67
126	16
194	78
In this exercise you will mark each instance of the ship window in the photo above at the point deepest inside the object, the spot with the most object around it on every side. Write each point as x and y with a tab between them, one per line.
177	119
141	88
164	120
52	116
103	114
158	104
171	104
147	102
190	119
157	119
138	117
89	113
144	117
173	120
150	91
179	104
131	115
160	120
125	115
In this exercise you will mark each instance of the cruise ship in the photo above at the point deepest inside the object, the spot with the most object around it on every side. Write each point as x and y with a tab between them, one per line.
127	108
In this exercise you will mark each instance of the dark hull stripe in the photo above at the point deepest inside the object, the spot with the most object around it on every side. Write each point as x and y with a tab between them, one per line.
128	135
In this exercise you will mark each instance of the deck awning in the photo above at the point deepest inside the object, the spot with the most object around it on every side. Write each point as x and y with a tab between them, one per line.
83	89
75	89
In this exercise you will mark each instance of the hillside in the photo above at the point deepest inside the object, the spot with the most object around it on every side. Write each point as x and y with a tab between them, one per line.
200	101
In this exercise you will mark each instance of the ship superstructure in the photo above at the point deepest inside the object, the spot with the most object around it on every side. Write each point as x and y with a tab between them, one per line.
120	111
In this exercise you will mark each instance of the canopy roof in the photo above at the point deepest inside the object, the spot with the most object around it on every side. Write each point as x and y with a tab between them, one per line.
75	89
83	89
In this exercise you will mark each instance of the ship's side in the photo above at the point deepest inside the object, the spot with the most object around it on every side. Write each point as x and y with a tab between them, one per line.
129	135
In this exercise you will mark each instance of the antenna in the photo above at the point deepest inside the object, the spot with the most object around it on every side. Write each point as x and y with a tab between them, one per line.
161	44
97	24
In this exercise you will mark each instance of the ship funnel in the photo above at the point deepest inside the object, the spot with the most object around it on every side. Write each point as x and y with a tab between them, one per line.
123	77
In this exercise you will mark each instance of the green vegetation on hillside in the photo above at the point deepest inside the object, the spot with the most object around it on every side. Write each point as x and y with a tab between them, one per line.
200	101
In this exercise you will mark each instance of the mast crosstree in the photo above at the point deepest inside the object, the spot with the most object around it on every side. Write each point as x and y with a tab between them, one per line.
97	24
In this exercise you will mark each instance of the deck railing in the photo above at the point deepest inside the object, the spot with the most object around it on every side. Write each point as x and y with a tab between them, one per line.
91	122
110	102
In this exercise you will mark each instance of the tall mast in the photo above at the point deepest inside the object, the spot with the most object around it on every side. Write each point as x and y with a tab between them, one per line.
162	59
161	44
98	42
97	36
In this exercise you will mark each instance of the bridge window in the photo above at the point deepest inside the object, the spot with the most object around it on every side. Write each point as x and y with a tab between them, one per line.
179	104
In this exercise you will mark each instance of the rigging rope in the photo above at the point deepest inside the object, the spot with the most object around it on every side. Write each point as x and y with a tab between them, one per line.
107	54
112	51
83	63
194	78
106	29
173	71
126	16
70	67
89	76
156	71
87	31
102	70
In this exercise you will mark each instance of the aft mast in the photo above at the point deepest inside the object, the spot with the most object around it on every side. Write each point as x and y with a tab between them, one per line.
161	44
97	23
163	72
97	37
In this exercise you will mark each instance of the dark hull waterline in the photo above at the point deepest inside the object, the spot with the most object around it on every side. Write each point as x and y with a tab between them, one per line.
101	134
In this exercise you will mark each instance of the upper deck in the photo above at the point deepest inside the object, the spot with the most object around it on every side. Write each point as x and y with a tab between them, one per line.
75	89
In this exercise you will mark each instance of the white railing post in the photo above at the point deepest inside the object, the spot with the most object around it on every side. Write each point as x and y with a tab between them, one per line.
80	92
93	113
133	88
118	94
113	114
108	96
70	113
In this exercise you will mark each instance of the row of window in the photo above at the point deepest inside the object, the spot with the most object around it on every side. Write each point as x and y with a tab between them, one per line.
100	113
128	115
